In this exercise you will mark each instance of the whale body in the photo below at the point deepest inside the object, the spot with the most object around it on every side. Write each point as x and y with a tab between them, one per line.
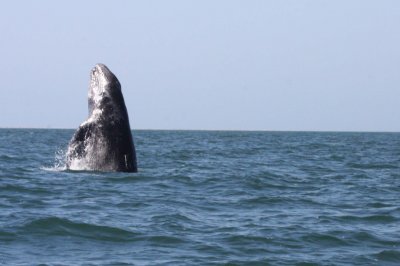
104	141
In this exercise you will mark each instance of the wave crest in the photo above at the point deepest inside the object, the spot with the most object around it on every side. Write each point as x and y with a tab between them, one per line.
55	226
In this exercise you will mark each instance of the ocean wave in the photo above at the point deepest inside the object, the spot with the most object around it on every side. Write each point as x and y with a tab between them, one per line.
171	218
164	239
127	178
364	237
8	158
372	166
326	239
23	189
248	239
7	236
54	226
388	256
378	218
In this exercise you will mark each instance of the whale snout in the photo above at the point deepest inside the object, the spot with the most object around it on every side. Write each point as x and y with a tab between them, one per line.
102	68
102	71
98	69
100	65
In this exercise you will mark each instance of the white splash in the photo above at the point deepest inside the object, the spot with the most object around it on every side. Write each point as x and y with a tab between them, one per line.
59	162
79	164
94	151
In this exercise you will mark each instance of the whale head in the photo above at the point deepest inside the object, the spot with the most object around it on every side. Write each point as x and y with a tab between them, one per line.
104	89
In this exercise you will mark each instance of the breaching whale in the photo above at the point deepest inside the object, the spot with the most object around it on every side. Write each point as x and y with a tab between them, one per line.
104	141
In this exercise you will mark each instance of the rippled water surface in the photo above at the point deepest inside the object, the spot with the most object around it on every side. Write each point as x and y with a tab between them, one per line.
204	198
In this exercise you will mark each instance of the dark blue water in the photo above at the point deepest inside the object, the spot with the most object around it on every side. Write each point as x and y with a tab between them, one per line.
204	198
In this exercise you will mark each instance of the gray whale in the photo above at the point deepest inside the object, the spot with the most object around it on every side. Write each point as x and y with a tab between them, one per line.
104	141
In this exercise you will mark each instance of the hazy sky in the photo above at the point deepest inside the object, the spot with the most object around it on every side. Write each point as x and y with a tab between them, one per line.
253	65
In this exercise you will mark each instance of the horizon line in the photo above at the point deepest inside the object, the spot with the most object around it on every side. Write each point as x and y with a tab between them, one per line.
227	130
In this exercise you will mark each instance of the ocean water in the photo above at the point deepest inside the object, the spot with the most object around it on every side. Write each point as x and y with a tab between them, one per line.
204	198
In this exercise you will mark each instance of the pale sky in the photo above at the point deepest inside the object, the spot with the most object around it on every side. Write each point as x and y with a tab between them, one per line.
235	65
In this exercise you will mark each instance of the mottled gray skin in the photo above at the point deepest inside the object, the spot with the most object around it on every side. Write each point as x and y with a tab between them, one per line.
104	141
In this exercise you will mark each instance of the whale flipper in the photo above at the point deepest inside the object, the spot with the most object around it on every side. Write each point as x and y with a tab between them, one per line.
77	146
